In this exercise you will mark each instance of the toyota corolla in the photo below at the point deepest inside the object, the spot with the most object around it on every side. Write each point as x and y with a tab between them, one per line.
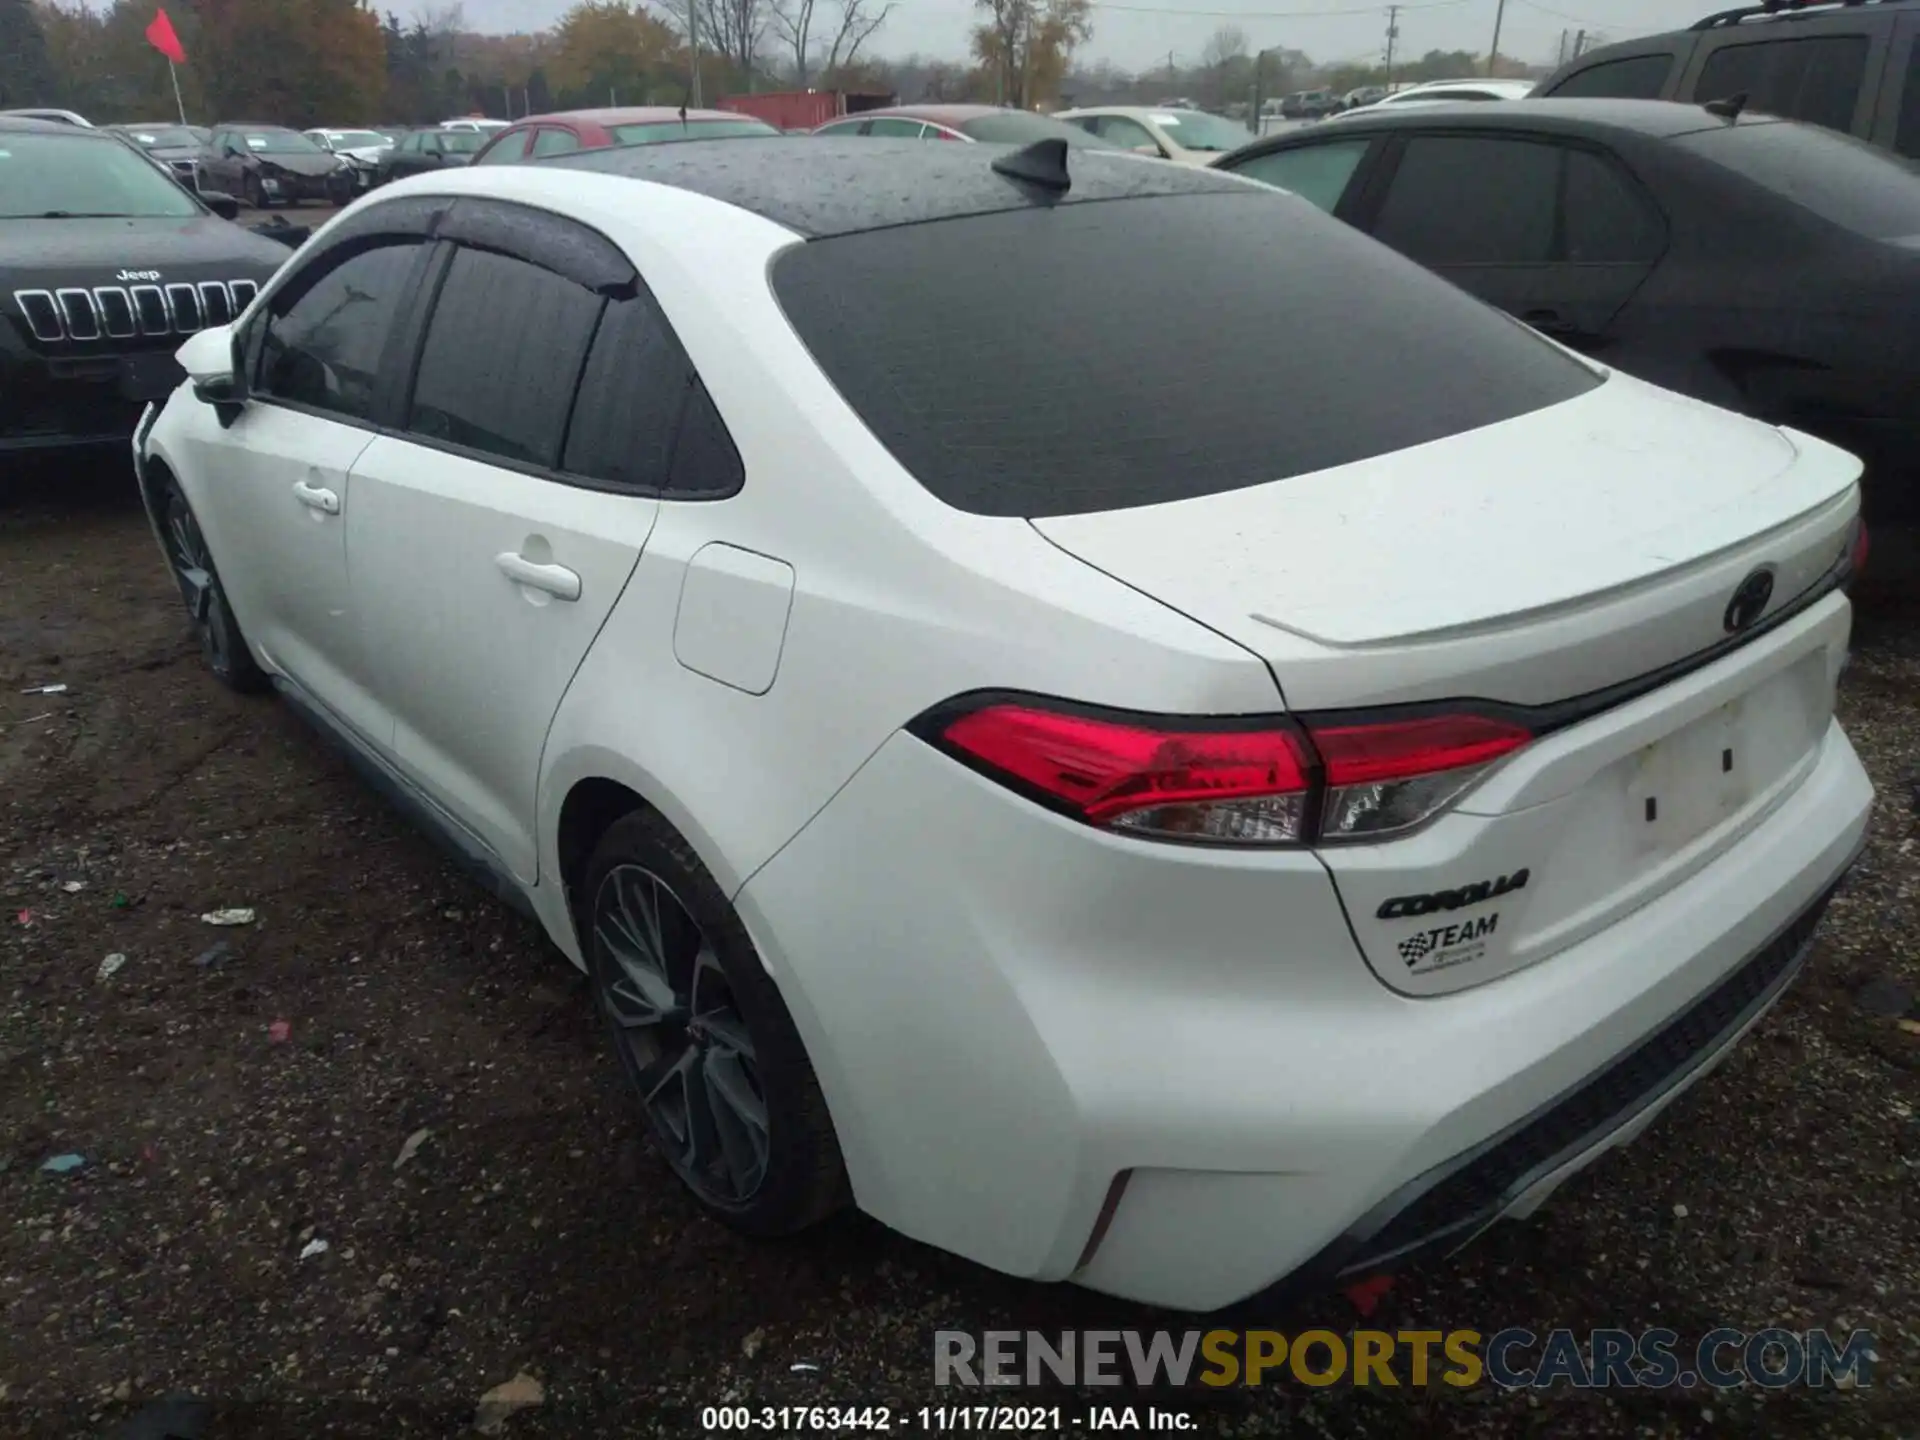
1183	828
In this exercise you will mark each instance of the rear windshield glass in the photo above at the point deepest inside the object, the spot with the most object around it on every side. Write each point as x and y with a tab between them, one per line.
1097	356
1863	189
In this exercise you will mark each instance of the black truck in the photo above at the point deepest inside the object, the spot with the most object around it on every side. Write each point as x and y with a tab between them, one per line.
106	265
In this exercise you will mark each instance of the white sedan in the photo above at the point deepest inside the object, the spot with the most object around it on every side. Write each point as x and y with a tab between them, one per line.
1191	137
1180	828
1445	92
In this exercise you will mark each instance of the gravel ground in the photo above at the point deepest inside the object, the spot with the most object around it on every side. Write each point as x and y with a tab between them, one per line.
239	1093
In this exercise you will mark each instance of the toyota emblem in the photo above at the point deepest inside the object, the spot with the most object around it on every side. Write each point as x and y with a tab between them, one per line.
1749	602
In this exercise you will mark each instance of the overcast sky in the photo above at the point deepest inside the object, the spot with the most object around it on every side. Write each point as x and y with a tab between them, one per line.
1138	34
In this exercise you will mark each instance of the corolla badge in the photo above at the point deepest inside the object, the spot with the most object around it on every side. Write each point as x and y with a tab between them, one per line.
138	275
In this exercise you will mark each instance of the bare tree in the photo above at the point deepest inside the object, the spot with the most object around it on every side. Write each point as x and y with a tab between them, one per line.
799	24
1226	45
734	28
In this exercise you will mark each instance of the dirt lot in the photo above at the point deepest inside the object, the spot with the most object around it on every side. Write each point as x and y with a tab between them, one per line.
534	1230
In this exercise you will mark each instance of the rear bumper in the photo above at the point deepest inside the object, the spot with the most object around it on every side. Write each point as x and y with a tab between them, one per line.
1010	1013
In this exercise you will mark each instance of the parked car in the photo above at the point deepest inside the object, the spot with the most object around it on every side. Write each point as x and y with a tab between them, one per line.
419	151
106	265
1442	92
1364	95
57	117
1764	265
888	716
182	149
992	124
1191	137
1309	105
1851	67
541	135
475	124
361	149
272	165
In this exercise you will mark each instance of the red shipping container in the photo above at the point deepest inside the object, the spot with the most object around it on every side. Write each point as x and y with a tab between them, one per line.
803	109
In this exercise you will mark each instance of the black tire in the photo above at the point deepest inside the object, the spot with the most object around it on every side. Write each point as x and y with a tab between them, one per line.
209	612
802	1178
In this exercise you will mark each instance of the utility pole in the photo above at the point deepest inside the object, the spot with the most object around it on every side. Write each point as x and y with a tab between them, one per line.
1579	43
1393	34
1493	50
693	45
1562	57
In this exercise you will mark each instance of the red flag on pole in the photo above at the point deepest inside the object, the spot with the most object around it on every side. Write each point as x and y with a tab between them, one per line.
160	35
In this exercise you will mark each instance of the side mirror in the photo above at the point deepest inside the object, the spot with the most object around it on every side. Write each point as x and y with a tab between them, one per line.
214	370
221	203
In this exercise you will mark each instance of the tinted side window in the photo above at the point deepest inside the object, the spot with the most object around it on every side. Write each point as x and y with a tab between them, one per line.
1639	77
706	466
1604	217
1815	78
324	341
631	394
552	141
502	357
1122	131
1906	139
513	148
894	128
1313	172
1470	200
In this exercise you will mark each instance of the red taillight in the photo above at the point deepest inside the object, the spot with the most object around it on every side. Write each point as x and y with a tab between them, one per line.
1387	776
1247	785
1266	782
1857	553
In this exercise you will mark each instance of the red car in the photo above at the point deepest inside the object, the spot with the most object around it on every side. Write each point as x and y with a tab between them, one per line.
987	123
539	135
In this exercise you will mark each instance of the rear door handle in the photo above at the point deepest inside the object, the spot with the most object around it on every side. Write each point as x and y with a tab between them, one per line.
555	580
315	498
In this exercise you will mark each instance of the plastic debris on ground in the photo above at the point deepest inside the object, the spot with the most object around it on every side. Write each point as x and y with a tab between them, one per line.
119	900
500	1403
802	1367
312	1248
25	917
45	690
110	966
63	1164
240	915
73	887
411	1147
213	954
280	1031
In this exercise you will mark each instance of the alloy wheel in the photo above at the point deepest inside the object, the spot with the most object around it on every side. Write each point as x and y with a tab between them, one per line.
199	587
680	1035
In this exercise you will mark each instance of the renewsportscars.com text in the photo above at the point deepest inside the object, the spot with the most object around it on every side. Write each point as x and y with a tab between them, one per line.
1514	1358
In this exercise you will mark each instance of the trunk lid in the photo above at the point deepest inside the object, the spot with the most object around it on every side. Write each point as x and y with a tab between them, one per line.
1548	556
1536	562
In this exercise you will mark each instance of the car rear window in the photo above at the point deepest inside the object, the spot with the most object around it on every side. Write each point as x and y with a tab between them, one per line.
1843	180
1083	357
655	132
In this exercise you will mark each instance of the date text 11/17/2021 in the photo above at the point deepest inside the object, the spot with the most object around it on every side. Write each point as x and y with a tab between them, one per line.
943	1419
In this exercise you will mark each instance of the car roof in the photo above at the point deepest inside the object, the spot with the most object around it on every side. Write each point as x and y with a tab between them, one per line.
1656	119
938	114
253	125
1132	111
632	115
821	186
53	127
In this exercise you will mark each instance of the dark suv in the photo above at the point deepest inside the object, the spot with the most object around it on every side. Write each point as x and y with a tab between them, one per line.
1852	65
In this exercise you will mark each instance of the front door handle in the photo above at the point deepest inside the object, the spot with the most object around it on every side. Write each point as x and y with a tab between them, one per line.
555	580
315	498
